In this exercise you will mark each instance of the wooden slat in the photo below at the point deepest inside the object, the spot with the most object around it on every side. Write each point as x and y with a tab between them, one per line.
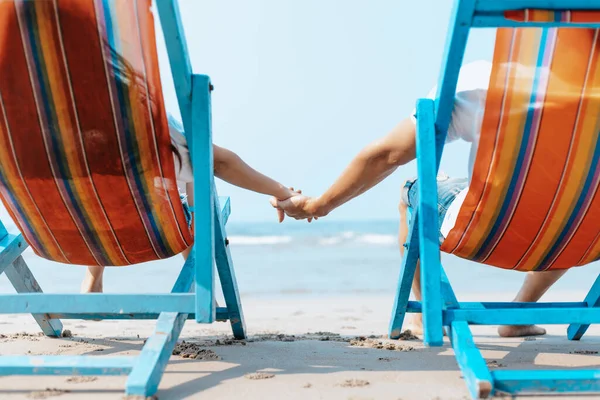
65	365
222	316
472	365
11	247
407	273
456	42
429	242
415	306
498	21
200	144
41	303
225	204
3	231
592	299
448	297
181	67
23	281
152	361
547	381
510	5
227	278
525	316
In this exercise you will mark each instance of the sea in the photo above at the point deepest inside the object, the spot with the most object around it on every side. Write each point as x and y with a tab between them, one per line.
324	258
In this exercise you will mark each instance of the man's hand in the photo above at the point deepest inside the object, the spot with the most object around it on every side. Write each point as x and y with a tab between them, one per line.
297	207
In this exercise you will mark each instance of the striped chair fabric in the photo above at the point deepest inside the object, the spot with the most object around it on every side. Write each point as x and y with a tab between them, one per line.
86	168
533	203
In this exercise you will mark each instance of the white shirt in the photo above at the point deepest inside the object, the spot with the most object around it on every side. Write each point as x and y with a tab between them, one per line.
465	124
183	170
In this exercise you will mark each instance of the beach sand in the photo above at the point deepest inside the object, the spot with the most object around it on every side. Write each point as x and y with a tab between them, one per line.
299	348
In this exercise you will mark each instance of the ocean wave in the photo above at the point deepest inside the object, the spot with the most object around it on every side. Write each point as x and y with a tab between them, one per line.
342	238
377	239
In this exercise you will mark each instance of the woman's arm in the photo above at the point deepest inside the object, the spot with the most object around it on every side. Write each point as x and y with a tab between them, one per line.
231	168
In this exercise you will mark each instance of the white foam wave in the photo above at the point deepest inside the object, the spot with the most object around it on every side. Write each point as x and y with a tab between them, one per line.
377	239
330	241
372	239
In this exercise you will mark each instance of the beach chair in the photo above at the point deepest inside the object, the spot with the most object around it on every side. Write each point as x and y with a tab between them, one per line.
87	174
533	203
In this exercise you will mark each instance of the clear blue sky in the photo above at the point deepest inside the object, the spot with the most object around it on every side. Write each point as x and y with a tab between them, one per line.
301	87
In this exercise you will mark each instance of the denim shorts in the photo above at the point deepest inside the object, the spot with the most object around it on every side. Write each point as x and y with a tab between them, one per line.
448	189
187	211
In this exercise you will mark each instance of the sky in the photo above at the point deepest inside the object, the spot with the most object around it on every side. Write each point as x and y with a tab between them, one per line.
301	87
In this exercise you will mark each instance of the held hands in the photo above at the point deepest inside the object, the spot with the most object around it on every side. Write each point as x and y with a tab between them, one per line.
296	206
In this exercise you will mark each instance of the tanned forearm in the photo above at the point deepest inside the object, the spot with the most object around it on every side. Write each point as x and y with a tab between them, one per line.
232	169
372	165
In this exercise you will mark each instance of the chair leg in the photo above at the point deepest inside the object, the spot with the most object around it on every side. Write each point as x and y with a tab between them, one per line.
470	361
429	243
152	361
227	278
448	295
154	358
407	274
576	331
23	281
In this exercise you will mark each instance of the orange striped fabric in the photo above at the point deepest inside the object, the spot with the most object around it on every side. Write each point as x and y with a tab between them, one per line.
533	201
86	165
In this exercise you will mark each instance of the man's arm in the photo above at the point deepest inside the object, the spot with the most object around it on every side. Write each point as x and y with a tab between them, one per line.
372	165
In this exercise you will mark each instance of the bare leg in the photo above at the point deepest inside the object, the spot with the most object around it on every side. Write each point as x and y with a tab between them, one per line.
92	283
534	287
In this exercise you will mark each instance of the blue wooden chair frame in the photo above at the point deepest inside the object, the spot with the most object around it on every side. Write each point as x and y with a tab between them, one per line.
197	275
440	306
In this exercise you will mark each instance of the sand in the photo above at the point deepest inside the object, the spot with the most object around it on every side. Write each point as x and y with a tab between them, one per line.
299	348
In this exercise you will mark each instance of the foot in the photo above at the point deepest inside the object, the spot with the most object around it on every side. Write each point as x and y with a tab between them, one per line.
91	285
520	330
415	325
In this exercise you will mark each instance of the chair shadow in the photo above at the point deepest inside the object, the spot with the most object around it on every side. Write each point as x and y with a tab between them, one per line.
359	359
313	356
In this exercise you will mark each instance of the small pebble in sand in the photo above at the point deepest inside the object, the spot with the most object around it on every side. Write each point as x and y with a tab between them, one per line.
494	364
362	341
307	386
280	337
259	375
384	359
81	379
229	342
194	351
67	333
585	352
354	383
44	394
408	335
529	339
